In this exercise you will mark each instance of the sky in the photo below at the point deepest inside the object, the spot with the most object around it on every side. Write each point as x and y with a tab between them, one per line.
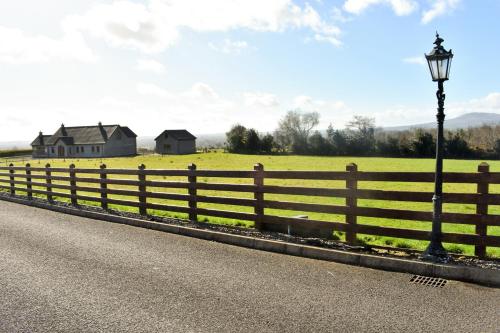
206	65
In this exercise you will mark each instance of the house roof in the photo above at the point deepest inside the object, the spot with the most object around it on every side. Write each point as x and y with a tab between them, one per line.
68	140
83	135
40	140
181	135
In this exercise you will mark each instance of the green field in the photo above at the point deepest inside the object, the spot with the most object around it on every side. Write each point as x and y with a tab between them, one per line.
226	161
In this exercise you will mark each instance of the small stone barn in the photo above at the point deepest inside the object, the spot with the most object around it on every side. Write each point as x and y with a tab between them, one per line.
86	141
175	142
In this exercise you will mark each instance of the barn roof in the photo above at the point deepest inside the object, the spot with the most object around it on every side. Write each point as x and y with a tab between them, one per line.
181	135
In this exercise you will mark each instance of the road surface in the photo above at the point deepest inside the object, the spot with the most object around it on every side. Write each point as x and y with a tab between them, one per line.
60	273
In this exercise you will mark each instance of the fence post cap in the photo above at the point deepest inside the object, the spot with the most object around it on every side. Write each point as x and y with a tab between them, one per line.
11	165
142	167
47	165
192	166
258	166
28	165
483	167
351	167
72	166
102	166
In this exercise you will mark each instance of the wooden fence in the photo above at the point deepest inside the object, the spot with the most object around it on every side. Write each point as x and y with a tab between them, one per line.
40	181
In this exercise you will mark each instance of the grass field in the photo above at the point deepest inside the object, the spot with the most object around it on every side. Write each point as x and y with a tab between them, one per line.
225	161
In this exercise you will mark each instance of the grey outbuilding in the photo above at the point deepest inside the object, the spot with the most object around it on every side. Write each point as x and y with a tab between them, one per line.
175	142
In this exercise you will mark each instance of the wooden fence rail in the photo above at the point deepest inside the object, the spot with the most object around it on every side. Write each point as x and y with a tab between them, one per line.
138	184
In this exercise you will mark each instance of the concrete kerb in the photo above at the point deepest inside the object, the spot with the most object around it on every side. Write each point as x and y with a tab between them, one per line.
483	276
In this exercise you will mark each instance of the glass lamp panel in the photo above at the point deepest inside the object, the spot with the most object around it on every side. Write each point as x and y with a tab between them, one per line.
434	69
443	68
448	68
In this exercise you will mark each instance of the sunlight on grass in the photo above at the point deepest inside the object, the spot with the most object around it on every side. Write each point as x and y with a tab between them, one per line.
225	161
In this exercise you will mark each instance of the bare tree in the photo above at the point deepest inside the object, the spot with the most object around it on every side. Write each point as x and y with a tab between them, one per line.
295	128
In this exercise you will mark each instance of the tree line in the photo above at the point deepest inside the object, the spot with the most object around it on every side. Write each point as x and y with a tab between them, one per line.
296	134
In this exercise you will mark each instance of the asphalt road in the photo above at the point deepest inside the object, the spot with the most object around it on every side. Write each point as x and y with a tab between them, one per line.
60	273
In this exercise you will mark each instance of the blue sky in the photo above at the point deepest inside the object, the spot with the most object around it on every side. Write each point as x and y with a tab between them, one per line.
205	65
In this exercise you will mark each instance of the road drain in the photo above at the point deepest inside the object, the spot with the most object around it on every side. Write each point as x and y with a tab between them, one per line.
428	281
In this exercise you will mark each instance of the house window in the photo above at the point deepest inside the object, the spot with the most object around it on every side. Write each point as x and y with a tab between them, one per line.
71	150
53	150
81	148
77	150
93	148
98	148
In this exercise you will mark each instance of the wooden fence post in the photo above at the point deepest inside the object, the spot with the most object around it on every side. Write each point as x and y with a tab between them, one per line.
48	181
482	209
12	184
142	190
193	215
351	203
104	187
29	187
72	184
258	195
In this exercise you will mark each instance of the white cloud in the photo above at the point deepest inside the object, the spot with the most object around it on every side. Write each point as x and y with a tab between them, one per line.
310	104
125	24
404	115
229	46
150	65
150	89
400	7
418	60
439	8
109	101
18	48
488	103
155	26
328	39
202	92
339	16
260	99
331	111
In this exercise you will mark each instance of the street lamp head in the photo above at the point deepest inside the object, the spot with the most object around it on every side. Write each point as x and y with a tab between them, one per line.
439	61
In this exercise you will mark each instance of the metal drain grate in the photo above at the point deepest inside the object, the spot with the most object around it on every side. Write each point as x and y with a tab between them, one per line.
428	281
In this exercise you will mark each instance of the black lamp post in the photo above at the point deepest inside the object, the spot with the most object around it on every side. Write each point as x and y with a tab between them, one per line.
439	61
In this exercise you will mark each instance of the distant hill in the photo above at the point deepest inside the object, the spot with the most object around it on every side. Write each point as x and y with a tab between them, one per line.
473	119
7	145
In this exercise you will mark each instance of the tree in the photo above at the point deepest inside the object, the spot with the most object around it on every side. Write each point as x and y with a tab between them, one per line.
361	135
236	139
456	146
252	141
389	146
424	144
318	145
267	143
294	130
339	143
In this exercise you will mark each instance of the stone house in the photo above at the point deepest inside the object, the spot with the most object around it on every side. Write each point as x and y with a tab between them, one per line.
175	142
86	141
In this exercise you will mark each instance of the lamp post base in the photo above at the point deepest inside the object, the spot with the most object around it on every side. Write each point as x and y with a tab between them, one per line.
435	252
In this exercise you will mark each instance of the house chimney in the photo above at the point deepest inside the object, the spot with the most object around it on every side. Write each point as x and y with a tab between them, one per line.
63	130
40	136
103	132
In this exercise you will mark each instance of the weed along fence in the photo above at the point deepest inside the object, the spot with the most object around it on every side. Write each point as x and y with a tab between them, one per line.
343	204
